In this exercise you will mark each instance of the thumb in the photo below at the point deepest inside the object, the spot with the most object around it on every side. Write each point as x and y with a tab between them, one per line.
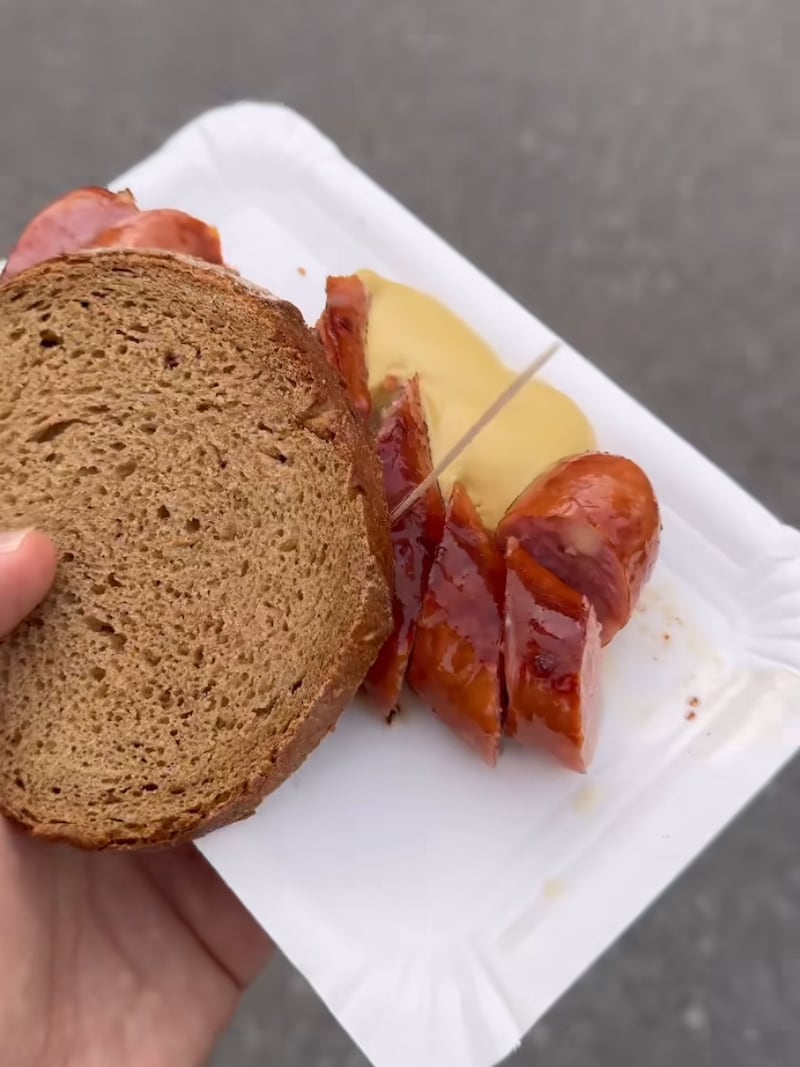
27	569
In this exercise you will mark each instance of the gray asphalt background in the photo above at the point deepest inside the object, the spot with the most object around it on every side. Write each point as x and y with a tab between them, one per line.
631	171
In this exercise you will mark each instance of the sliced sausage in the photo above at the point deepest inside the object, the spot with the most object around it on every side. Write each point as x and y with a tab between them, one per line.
456	665
383	395
166	230
342	329
69	223
552	661
403	446
594	521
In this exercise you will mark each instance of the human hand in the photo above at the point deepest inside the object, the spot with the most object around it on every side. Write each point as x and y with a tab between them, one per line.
136	959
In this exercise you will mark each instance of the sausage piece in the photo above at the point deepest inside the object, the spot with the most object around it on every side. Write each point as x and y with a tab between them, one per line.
342	329
69	223
593	520
552	661
456	665
403	446
166	230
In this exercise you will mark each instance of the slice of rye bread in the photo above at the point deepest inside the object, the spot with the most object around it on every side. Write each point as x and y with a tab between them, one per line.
223	539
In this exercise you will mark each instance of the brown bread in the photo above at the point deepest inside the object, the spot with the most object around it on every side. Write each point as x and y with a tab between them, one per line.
223	540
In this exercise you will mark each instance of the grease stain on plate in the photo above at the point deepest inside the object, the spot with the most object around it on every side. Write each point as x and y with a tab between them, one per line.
553	889
587	799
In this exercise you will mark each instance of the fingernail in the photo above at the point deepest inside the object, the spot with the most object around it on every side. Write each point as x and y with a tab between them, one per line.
10	540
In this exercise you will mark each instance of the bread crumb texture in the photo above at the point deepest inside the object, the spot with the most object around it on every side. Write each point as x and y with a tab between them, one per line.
223	545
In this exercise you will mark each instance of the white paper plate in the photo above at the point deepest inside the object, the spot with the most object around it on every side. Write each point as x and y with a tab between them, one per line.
440	907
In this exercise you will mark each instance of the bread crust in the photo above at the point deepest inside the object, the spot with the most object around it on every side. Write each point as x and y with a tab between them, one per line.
371	624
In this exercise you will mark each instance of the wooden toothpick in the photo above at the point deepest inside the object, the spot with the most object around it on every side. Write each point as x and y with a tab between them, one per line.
491	412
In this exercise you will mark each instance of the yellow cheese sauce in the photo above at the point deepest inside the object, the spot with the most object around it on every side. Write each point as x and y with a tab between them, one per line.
460	375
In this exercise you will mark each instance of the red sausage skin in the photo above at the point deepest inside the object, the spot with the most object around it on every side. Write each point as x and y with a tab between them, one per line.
456	664
593	520
552	662
404	449
167	231
342	329
68	224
